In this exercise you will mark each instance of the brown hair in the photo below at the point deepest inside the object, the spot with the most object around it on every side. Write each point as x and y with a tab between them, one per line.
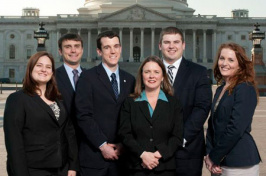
245	73
109	34
69	36
139	87
171	30
30	86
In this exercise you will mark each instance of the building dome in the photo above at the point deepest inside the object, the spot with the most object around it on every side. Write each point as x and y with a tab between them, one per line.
171	7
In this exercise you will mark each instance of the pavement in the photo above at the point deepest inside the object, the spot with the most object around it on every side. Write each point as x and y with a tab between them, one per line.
258	132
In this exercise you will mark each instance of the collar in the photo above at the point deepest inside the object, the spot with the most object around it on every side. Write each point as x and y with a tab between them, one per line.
143	96
109	72
69	69
176	63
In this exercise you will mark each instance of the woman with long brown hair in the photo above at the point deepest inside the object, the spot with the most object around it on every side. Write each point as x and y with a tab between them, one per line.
39	136
231	150
151	122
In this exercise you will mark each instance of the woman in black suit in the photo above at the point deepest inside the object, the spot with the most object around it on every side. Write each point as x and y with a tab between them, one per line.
39	137
231	150
151	122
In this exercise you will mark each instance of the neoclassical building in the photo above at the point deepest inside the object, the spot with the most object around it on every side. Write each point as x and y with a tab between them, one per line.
138	22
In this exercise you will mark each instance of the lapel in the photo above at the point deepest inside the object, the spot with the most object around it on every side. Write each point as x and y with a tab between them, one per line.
181	74
62	116
123	85
143	105
45	107
103	77
64	79
159	111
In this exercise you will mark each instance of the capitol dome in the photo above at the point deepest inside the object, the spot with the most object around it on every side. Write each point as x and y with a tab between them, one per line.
170	7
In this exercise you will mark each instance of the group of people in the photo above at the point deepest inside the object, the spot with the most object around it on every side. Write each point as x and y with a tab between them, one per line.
103	122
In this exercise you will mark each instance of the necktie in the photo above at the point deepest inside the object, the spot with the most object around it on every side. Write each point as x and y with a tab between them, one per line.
114	84
76	76
170	74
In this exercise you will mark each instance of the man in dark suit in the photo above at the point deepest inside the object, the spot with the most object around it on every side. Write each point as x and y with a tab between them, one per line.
192	87
99	96
71	49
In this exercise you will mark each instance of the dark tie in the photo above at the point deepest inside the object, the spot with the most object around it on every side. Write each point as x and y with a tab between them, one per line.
114	85
170	74
76	76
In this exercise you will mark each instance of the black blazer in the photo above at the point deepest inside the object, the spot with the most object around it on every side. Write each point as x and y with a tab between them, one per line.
140	132
67	92
33	136
192	87
229	142
97	112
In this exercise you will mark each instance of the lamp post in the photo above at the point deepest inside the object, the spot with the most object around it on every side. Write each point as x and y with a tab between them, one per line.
41	35
257	58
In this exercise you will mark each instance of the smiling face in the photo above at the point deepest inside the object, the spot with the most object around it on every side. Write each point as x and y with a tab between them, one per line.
110	52
42	71
71	52
172	47
228	63
152	76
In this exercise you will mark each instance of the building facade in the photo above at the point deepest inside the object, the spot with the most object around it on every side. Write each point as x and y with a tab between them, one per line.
138	22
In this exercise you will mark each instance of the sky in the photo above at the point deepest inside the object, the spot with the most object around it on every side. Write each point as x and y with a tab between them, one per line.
221	8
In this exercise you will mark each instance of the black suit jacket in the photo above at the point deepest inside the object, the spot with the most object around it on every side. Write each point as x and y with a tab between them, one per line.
192	87
33	136
140	132
97	112
67	92
229	142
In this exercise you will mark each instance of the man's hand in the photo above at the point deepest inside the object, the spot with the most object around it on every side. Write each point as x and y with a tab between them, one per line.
119	149
108	151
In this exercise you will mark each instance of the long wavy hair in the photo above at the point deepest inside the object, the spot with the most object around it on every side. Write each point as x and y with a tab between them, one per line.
165	86
245	73
30	86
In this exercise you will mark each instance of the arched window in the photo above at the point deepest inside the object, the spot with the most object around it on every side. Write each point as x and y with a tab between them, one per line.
12	51
136	54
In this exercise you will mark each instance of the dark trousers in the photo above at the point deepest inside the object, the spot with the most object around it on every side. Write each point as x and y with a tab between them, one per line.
112	170
151	173
189	167
49	171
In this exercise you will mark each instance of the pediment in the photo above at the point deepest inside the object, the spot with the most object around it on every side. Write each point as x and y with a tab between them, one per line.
135	13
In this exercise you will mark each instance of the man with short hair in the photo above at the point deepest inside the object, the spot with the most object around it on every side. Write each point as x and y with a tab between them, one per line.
71	49
192	87
100	94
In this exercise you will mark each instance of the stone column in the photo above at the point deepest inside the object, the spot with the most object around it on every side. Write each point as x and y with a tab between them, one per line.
79	31
152	41
141	44
121	42
58	35
89	46
184	38
204	60
99	30
194	59
214	44
21	53
131	59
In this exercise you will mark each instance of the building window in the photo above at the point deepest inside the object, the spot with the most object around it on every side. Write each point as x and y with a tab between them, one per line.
243	37
28	53
229	37
12	50
29	36
11	73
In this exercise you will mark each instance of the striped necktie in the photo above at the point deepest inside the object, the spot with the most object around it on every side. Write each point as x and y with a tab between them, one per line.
114	85
170	74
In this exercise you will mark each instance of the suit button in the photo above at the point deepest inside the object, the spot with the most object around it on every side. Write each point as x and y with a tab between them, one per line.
151	139
151	127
